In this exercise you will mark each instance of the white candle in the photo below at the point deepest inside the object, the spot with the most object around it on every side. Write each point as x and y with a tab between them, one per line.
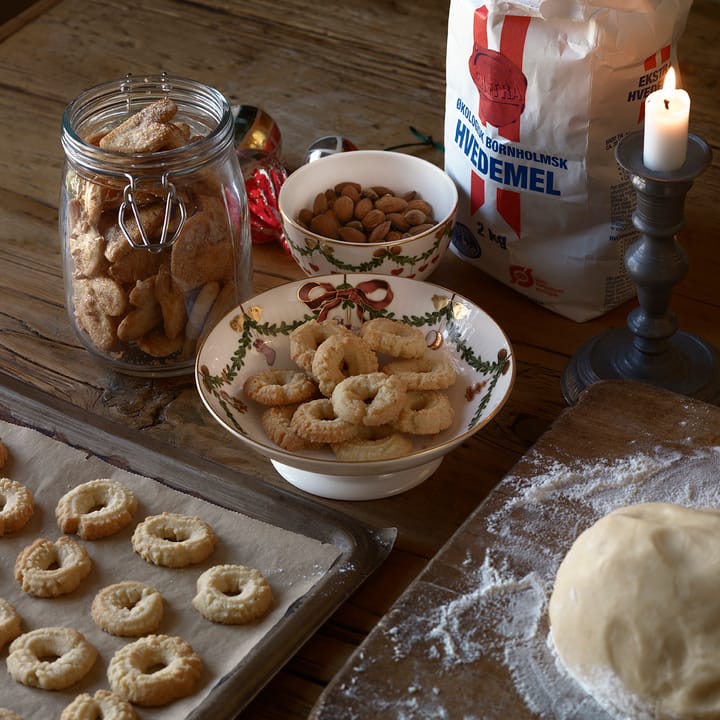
666	127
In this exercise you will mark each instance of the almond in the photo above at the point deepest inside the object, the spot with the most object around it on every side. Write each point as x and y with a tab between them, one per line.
305	217
347	186
363	207
350	234
391	204
373	218
417	229
379	232
325	225
352	190
398	221
320	204
418	204
415	217
343	208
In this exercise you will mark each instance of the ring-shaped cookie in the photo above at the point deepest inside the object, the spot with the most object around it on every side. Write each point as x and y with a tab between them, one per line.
279	387
317	422
305	340
375	444
276	422
393	337
173	540
103	705
96	509
72	654
154	670
16	505
370	399
341	356
431	372
232	594
426	412
9	622
128	609
48	569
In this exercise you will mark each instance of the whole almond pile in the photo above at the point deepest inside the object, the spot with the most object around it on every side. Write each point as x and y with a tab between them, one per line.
359	214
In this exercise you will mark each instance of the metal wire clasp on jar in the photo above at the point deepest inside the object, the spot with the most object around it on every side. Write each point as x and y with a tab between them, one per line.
153	220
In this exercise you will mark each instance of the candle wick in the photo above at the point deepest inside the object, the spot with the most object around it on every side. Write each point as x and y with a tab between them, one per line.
667	103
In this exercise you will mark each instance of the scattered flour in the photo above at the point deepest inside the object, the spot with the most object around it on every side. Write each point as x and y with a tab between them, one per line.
498	618
570	499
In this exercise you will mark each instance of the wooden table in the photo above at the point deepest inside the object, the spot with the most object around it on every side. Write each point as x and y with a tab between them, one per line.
471	631
367	71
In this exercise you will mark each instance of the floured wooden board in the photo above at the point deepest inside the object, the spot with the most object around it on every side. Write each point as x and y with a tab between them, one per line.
307	552
469	638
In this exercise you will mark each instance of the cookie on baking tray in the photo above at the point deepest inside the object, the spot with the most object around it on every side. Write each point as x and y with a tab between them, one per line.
48	569
104	705
128	609
96	509
51	658
16	505
154	670
9	622
173	540
232	594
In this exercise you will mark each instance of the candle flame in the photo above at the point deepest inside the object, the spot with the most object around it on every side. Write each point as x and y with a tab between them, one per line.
669	84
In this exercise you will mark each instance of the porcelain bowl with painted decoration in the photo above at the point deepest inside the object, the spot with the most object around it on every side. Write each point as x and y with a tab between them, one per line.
255	336
414	257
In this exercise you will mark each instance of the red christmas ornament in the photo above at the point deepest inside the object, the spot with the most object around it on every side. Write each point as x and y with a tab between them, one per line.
264	177
258	142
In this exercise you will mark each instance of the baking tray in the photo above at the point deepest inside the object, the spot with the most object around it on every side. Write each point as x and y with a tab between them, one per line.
362	548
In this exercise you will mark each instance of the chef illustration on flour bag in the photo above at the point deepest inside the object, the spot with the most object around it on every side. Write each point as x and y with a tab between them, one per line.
539	93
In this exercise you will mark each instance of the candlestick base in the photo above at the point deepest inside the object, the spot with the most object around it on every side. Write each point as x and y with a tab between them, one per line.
689	366
651	349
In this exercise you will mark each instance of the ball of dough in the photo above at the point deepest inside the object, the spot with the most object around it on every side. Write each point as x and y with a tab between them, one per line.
635	611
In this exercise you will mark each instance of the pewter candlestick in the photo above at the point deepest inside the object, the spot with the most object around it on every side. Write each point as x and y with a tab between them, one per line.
651	349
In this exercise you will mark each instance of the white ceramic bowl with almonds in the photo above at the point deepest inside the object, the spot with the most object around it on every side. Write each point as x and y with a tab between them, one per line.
255	337
407	240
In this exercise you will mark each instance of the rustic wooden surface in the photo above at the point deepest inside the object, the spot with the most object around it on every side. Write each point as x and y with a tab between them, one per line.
365	70
382	672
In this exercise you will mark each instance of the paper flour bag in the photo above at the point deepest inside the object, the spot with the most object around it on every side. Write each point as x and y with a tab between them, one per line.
539	92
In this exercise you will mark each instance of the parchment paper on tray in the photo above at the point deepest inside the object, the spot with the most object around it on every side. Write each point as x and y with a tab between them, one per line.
292	564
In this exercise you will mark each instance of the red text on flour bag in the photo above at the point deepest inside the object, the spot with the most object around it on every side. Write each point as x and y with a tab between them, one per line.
534	108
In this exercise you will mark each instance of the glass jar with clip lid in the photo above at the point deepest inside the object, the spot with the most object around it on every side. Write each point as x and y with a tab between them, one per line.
153	220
